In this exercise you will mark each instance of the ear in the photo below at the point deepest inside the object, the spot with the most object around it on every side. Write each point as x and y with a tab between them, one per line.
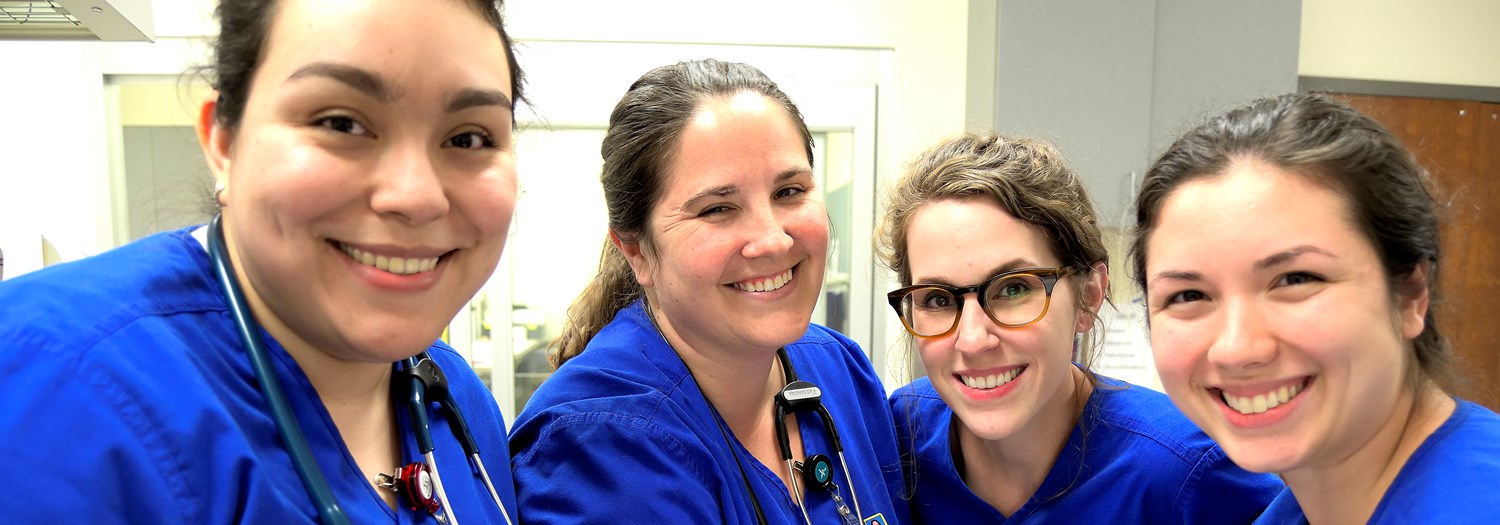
639	263
1094	291
217	142
1412	300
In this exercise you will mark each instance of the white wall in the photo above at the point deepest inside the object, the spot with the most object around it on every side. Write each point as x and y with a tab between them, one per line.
62	134
52	152
1431	41
927	40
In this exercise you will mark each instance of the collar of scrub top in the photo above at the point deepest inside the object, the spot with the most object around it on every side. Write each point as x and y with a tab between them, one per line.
413	378
796	396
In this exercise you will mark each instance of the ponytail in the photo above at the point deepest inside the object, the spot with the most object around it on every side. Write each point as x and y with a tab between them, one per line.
612	289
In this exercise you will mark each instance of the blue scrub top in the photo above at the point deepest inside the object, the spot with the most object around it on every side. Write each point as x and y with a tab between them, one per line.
1132	458
1452	478
621	433
130	399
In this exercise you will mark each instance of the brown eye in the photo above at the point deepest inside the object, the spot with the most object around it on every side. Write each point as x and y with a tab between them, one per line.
343	124
471	140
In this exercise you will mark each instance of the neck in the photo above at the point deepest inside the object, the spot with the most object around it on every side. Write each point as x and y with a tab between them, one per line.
1007	472
356	394
739	383
1349	491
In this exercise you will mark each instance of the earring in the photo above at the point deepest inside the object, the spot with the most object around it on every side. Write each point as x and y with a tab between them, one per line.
219	193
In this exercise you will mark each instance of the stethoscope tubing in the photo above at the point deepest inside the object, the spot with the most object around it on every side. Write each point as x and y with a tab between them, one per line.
329	511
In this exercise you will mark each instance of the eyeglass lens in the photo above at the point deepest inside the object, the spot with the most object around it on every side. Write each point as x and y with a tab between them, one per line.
1015	300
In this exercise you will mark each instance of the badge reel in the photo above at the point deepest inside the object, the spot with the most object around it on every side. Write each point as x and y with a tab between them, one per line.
413	484
817	472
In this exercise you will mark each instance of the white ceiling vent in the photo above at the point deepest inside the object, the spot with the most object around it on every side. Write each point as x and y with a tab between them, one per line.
112	20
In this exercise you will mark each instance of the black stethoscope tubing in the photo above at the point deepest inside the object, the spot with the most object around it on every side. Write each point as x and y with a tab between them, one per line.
424	376
783	441
784	405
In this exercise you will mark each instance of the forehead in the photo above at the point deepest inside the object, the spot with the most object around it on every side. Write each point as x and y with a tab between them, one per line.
1252	205
433	39
961	236
739	139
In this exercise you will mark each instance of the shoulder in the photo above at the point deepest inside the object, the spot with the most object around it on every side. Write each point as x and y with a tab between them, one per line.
118	372
1148	419
619	373
1142	426
626	378
917	402
1459	462
594	467
834	358
65	309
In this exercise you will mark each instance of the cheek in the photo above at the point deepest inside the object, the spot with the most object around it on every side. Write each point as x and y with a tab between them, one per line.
1177	347
292	180
810	226
933	353
489	203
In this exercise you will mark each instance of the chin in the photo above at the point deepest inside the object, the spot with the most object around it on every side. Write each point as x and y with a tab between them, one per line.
1268	456
988	427
387	345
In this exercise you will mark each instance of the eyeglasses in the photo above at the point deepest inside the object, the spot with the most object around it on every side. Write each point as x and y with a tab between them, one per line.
1013	299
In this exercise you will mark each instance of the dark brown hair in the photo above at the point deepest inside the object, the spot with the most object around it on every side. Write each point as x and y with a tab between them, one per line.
244	26
1336	147
1026	177
642	137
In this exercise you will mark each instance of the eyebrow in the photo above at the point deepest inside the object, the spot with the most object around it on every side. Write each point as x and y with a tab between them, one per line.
471	97
361	80
726	190
1275	259
1284	256
1013	264
1176	275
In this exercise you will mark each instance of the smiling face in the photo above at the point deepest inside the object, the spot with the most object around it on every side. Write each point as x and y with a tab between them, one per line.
1272	322
739	235
370	184
999	381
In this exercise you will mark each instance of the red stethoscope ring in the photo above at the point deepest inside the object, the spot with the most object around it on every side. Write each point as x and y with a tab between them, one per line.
414	484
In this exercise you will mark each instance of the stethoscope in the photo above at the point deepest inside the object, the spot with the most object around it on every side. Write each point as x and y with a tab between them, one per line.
413	378
817	471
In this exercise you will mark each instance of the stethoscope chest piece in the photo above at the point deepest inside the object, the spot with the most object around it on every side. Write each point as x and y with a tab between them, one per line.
414	485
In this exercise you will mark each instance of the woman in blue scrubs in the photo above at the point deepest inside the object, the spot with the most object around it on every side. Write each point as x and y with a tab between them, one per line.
663	409
364	167
1004	271
1290	254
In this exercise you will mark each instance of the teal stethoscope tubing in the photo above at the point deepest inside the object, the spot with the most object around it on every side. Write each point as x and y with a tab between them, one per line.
329	511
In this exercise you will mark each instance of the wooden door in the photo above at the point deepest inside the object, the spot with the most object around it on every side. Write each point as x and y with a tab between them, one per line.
1458	142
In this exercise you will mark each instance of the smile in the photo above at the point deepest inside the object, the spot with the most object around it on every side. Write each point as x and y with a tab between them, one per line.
765	285
395	265
1259	404
990	381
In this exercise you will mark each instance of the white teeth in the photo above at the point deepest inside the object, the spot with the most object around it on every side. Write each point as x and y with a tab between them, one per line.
766	285
396	265
1261	403
990	381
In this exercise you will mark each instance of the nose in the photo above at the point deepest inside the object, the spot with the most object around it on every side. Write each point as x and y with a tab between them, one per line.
974	333
766	236
1245	340
408	186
